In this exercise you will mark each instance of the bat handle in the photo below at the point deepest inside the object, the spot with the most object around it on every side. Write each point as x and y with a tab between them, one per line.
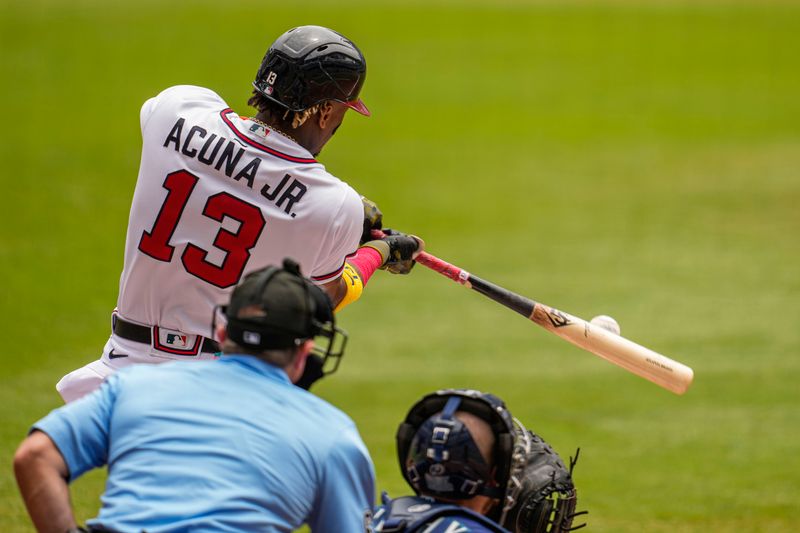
444	268
459	275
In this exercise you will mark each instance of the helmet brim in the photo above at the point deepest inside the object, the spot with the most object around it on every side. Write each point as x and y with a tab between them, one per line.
358	106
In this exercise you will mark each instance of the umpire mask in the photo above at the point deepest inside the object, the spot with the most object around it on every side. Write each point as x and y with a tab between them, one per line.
277	308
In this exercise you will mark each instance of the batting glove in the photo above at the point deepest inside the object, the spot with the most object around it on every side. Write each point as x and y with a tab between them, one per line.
398	251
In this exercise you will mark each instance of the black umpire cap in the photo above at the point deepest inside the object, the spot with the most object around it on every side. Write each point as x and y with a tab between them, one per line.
275	308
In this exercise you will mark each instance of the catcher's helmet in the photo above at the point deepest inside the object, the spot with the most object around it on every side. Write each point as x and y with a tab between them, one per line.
309	65
439	458
289	310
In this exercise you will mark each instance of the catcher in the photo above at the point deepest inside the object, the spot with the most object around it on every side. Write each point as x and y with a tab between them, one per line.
475	469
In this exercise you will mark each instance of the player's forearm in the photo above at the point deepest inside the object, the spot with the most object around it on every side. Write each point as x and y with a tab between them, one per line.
42	479
336	290
357	272
395	252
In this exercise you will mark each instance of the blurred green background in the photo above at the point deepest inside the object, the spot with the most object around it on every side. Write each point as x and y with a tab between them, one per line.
632	159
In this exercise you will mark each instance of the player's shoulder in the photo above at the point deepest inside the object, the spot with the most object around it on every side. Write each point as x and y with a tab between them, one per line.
351	204
180	99
333	204
342	443
325	414
343	202
350	218
351	199
188	93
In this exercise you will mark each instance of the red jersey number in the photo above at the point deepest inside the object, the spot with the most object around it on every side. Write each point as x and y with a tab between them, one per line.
237	246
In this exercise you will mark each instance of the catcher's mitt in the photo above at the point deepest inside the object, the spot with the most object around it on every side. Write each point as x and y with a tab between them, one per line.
547	500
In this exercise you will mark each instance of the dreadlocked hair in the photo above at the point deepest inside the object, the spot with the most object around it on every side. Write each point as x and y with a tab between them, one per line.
282	118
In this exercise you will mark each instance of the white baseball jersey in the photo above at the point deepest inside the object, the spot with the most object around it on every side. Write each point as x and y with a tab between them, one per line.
218	196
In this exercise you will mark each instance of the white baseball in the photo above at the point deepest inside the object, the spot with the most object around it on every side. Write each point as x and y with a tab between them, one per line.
607	323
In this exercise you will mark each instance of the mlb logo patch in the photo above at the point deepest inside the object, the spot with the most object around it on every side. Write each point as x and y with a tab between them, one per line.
251	337
259	130
176	341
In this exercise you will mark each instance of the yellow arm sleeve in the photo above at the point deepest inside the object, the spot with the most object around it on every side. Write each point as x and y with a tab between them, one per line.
354	285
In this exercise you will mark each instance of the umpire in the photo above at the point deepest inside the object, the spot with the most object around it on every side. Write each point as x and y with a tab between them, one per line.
227	445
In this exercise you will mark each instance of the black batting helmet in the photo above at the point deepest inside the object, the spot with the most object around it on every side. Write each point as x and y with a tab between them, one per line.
308	65
439	458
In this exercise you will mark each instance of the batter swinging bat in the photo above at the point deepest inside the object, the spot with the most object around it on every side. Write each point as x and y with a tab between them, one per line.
634	358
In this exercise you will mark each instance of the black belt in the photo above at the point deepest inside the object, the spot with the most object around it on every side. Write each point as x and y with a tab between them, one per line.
144	334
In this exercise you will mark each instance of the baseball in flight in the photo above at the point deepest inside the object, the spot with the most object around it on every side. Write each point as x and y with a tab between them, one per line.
606	322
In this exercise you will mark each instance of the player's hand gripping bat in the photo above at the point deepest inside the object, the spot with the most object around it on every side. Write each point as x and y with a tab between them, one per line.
634	358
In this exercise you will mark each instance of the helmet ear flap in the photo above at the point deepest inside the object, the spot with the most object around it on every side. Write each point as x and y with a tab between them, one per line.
505	449
405	434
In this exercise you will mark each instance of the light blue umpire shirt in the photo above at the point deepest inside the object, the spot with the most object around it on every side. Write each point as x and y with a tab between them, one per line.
227	445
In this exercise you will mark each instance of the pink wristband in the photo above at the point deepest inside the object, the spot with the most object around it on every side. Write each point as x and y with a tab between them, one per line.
366	260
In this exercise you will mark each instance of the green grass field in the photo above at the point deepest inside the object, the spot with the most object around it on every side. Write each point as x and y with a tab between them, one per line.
633	159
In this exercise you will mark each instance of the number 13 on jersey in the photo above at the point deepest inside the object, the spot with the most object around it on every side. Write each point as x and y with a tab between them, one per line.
236	246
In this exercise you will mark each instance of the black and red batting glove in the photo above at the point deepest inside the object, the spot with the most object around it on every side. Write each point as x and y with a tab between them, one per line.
398	250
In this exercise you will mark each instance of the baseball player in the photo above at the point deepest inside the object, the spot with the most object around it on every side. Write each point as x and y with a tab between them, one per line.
220	194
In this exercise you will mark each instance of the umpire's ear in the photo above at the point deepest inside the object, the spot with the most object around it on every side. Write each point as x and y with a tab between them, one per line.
296	368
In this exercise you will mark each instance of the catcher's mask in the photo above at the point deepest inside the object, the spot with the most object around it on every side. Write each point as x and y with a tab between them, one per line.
309	65
439	458
277	308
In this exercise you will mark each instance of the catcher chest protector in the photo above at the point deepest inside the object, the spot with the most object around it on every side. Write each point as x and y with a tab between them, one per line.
309	65
439	459
413	513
